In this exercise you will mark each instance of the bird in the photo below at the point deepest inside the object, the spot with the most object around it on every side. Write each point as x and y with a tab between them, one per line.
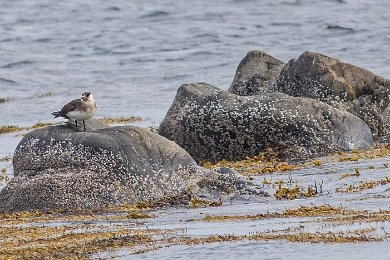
80	109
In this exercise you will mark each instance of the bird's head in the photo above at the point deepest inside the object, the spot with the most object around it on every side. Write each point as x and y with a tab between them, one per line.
86	96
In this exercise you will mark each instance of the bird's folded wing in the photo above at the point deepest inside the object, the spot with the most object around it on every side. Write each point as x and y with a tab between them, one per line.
71	106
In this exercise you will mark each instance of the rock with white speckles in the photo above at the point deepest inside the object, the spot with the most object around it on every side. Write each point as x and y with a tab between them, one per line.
212	124
59	168
255	74
228	181
341	85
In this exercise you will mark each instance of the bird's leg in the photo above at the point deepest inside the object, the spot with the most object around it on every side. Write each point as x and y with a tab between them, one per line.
84	125
76	124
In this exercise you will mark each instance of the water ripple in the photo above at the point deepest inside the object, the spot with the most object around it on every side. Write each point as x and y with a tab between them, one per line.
113	8
17	64
340	28
4	80
43	40
160	44
155	14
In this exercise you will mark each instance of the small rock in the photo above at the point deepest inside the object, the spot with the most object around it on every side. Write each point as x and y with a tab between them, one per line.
255	74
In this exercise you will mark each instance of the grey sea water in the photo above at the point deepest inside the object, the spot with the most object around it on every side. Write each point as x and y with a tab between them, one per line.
133	55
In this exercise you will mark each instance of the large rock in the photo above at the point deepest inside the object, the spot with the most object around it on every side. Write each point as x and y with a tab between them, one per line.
59	168
341	85
255	74
212	125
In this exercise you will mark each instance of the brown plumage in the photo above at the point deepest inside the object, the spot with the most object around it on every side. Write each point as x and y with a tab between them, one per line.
71	106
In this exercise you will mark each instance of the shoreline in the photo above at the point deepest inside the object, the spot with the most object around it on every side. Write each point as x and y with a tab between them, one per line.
328	218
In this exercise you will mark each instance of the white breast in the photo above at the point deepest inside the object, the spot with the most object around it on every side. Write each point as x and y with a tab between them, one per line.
85	112
80	115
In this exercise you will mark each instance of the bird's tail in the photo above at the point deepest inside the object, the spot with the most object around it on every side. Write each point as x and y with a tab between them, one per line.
56	114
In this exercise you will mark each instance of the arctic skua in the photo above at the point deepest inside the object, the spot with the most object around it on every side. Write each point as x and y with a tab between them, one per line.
80	109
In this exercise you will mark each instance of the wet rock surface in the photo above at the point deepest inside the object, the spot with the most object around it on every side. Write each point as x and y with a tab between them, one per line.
341	85
225	180
255	74
58	168
212	124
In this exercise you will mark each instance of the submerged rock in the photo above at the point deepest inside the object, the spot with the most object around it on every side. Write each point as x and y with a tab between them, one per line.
212	124
255	74
341	85
58	168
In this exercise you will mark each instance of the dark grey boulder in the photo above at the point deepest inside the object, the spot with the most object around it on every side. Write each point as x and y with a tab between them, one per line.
341	85
59	168
212	124
255	74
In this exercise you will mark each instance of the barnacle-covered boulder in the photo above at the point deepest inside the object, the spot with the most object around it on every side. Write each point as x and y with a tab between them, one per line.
59	168
255	74
341	85
212	124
